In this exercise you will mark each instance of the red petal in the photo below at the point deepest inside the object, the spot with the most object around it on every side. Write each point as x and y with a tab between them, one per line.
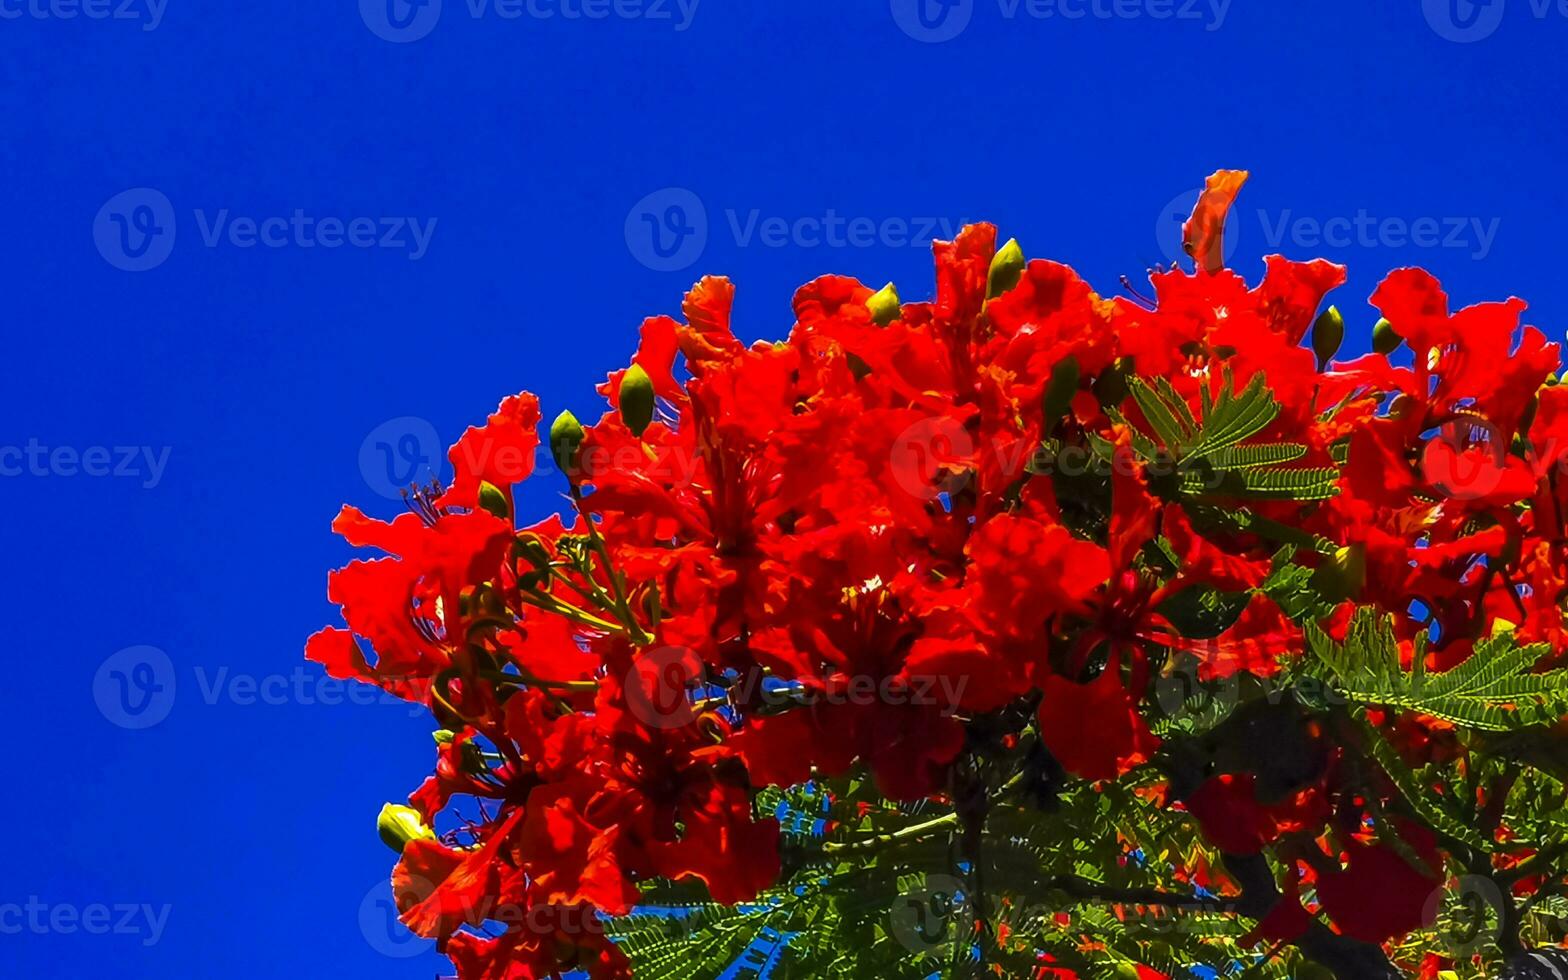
1203	235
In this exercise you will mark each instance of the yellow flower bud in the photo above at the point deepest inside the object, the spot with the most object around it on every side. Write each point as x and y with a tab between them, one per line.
884	305
636	399
566	436
1006	269
398	825
1384	339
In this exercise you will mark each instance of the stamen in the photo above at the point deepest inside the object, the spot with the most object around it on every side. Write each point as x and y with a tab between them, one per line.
422	501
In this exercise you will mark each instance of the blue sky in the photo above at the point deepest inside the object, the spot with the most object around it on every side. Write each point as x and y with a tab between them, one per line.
257	258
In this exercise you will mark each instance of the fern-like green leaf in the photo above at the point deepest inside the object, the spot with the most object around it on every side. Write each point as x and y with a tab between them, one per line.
1492	690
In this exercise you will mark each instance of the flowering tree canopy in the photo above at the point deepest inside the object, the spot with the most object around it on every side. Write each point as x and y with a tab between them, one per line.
1024	632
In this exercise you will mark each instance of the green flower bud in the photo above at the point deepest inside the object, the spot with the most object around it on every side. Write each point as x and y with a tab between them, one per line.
566	437
398	825
444	737
1384	339
884	305
636	399
1059	393
1006	269
1327	334
529	547
493	499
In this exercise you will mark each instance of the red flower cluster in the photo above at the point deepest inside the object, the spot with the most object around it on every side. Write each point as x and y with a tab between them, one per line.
840	550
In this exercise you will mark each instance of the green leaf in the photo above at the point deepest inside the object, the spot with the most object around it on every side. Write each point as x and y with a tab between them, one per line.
1236	417
1493	690
1310	483
1161	416
1427	805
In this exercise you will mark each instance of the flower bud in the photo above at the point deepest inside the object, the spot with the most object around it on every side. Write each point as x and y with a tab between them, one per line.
398	825
1384	339
492	499
636	399
1006	269
1327	334
566	437
884	305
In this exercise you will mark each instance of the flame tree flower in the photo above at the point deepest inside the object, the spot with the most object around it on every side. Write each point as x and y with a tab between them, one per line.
1021	632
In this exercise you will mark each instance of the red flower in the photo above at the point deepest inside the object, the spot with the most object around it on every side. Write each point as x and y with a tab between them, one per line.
928	550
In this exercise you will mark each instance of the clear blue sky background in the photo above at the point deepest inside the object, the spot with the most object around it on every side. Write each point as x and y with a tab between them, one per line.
533	143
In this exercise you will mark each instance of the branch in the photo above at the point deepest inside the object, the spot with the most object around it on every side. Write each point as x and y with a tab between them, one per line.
1077	887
